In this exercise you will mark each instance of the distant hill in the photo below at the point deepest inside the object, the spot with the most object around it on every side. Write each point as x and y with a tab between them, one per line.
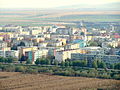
85	7
109	12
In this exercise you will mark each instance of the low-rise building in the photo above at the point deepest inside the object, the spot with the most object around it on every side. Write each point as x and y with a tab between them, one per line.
81	43
72	46
64	31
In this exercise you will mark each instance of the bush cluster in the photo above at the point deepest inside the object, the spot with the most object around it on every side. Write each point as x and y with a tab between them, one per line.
64	71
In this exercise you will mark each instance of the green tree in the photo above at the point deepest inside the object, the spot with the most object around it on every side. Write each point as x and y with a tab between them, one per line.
62	64
48	61
20	69
70	63
84	63
116	77
10	59
103	65
28	61
55	62
32	71
9	68
111	66
99	63
2	59
14	47
67	63
21	44
93	43
94	64
43	62
23	58
117	66
77	63
37	61
80	63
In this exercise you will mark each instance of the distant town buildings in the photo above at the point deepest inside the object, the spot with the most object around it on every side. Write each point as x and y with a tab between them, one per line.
60	41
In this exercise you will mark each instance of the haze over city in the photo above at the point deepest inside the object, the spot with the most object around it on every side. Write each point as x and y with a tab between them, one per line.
50	3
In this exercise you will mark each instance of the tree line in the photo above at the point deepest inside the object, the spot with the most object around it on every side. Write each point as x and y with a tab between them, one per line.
79	63
67	63
60	70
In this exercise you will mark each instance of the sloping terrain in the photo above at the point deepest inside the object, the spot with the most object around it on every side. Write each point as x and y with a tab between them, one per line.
18	81
36	17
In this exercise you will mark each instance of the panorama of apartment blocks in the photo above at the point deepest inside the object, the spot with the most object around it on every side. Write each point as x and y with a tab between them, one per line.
62	42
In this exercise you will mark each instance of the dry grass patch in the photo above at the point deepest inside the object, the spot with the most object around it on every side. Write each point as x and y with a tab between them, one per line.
18	81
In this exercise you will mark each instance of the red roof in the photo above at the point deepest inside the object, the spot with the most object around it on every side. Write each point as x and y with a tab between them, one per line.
116	36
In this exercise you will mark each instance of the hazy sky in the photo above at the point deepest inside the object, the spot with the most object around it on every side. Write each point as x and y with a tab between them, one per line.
48	3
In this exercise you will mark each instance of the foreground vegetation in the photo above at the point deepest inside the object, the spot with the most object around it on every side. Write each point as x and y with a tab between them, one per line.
98	68
62	70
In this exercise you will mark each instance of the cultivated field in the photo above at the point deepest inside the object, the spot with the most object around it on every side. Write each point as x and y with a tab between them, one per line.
48	17
18	81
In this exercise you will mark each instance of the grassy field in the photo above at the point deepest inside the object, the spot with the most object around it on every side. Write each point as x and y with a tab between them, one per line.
18	81
37	18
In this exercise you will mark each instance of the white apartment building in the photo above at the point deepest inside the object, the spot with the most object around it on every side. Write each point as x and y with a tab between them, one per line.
3	44
34	55
66	54
12	53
